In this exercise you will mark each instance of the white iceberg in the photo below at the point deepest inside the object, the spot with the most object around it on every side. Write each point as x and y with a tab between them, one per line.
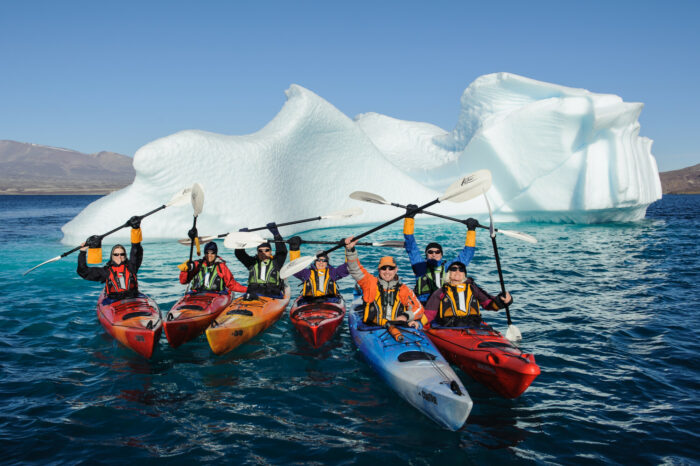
555	153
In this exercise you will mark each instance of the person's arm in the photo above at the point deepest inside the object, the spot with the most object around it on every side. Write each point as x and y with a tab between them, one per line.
188	270
433	305
466	255
231	284
488	302
94	274
247	260
280	246
135	256
339	272
413	307
418	262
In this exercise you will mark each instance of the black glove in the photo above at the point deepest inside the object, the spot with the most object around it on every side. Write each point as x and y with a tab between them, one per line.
471	223
190	266
243	229
294	243
134	222
411	210
93	242
192	234
273	229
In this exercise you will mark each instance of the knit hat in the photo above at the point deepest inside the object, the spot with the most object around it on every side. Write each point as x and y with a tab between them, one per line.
211	246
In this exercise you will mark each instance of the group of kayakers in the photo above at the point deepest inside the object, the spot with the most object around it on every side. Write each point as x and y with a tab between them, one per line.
443	294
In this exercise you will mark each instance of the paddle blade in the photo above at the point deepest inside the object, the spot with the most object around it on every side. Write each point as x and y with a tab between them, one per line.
468	187
344	213
43	263
297	265
368	197
181	198
390	244
243	240
202	240
197	198
513	333
519	235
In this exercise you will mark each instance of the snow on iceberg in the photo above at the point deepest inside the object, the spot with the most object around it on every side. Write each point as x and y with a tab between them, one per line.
555	153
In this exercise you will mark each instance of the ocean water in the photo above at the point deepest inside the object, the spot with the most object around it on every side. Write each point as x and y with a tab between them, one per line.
610	312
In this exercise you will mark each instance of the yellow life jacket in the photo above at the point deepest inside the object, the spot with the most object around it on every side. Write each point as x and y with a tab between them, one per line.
314	287
458	301
386	306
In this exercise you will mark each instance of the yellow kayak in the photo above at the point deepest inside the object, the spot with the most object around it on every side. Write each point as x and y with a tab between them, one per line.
243	319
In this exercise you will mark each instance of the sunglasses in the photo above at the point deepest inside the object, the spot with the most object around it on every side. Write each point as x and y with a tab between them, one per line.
387	267
321	260
457	268
209	252
264	250
434	251
118	254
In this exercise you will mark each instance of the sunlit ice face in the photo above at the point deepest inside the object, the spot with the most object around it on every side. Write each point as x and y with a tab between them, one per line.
118	256
387	273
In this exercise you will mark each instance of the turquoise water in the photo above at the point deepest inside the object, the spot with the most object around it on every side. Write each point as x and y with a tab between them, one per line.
610	312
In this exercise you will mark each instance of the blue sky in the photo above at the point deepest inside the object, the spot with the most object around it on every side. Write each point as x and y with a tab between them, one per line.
99	75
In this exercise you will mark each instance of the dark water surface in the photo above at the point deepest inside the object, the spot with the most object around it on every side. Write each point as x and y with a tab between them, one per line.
610	312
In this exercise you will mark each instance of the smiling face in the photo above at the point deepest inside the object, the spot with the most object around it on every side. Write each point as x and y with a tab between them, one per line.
434	254
118	255
264	253
387	272
457	274
321	263
210	256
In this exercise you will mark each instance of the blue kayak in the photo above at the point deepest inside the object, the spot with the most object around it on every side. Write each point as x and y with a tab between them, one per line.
414	368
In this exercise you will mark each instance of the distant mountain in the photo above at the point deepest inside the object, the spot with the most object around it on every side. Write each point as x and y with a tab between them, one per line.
683	181
33	169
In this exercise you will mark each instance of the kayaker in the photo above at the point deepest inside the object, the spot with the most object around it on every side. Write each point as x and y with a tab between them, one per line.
264	277
321	277
119	274
457	303
209	274
430	270
385	297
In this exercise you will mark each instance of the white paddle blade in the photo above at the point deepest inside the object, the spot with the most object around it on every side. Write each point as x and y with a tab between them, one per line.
344	213
468	187
390	244
368	197
243	240
181	198
519	235
202	240
513	333
197	198
43	263
297	265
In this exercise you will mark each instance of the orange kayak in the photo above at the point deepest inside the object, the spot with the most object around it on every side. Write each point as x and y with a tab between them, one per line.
243	319
133	322
192	314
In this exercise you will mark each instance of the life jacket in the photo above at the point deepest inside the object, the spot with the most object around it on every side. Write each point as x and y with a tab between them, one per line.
208	278
264	273
458	303
386	306
319	284
120	281
431	281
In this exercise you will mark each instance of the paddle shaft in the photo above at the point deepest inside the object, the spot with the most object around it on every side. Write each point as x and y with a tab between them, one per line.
442	216
500	274
304	241
369	232
194	225
223	235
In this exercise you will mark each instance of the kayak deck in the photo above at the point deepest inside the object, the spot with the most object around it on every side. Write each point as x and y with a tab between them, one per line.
192	314
317	318
134	322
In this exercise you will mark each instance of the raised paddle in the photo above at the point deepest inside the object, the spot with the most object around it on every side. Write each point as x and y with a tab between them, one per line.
513	333
179	199
197	206
246	239
332	216
377	199
462	190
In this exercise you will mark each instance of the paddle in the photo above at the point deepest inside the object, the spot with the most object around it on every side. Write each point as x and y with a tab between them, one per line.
245	239
178	199
513	333
197	205
332	216
377	199
461	190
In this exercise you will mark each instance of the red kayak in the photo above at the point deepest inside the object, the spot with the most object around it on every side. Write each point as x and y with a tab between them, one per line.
192	314
317	318
133	322
487	357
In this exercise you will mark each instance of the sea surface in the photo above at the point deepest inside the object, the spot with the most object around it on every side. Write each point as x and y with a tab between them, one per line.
609	311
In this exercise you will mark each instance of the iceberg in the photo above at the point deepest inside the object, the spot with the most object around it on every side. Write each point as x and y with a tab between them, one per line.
556	154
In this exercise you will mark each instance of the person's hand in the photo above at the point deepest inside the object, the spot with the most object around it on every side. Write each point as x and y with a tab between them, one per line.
506	298
83	247
134	222
413	324
192	234
411	210
471	223
294	243
350	243
272	226
93	242
186	266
